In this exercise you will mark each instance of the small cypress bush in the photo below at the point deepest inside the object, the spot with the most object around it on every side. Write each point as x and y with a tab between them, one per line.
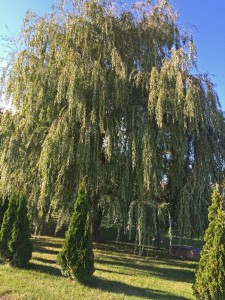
6	228
76	258
210	274
15	244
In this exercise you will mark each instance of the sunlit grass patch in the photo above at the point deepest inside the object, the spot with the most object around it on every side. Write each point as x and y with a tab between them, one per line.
119	275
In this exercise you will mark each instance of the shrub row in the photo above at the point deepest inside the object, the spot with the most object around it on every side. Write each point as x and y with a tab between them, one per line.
76	258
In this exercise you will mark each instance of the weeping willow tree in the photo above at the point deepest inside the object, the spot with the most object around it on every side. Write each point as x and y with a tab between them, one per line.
107	91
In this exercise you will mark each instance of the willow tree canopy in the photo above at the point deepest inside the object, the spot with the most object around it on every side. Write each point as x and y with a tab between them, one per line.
108	91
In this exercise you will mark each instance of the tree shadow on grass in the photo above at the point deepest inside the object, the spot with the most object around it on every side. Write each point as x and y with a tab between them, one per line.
42	247
43	269
128	290
46	251
44	243
116	248
45	260
165	273
162	255
110	271
177	262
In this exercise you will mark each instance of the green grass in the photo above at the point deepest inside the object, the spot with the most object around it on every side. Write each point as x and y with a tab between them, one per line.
119	275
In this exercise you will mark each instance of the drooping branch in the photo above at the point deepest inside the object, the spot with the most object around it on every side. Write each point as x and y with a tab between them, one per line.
110	93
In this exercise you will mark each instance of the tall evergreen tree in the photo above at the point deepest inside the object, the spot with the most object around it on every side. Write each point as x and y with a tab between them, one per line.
15	244
109	92
210	274
76	258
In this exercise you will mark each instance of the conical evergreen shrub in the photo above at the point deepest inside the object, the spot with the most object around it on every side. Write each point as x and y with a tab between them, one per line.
15	244
6	228
210	274
76	258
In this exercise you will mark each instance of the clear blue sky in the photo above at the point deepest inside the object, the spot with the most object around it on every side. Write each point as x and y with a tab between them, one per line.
206	15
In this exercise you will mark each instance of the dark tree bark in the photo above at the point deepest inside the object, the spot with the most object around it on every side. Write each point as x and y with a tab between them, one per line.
95	226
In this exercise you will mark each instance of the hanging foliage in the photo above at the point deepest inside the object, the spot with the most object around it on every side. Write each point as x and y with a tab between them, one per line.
102	90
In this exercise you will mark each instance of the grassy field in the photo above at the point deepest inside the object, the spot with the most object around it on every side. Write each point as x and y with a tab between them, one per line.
119	275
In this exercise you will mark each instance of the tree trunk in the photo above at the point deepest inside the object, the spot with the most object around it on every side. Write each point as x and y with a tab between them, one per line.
95	226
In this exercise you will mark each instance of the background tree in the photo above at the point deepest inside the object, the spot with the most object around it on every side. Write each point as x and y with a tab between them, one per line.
76	258
15	244
210	275
109	92
4	201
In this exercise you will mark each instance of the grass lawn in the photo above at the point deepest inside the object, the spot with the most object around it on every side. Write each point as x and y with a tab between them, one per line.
119	275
